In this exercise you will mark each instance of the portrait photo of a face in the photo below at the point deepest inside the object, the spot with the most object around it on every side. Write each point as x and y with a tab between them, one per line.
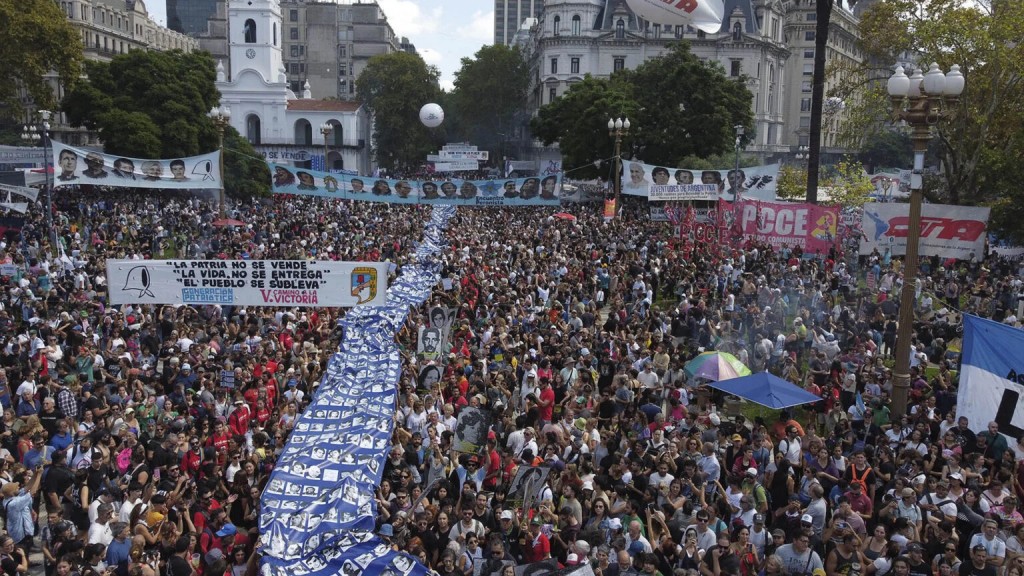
153	170
68	161
94	166
124	168
684	177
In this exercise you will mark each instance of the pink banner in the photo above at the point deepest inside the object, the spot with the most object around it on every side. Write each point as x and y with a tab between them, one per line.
812	227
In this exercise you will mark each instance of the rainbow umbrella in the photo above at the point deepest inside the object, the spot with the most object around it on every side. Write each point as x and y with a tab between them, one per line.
716	366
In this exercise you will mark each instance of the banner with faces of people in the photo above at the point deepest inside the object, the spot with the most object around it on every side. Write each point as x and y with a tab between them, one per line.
73	166
539	191
669	183
318	509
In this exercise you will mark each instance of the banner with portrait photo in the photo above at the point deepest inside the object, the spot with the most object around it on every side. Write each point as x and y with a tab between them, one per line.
526	485
471	430
533	191
74	166
758	182
946	231
812	227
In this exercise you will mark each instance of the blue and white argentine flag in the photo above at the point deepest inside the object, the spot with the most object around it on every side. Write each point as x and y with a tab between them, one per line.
992	377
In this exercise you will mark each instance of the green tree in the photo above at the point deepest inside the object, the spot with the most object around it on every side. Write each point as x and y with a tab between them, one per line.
717	161
394	87
792	184
154	104
687	106
887	149
670	120
490	89
848	185
245	174
984	39
37	40
845	183
578	121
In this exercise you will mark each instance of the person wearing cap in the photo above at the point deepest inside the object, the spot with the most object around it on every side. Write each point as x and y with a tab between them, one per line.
906	507
510	534
538	547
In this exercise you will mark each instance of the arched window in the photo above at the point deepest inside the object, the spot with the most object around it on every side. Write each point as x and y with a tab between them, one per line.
620	28
275	33
737	31
337	133
556	23
576	25
250	31
252	129
303	132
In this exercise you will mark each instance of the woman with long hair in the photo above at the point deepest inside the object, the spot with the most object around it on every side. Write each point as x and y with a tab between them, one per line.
745	551
874	546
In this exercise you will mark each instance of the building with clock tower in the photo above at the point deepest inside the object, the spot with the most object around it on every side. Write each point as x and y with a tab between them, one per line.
285	127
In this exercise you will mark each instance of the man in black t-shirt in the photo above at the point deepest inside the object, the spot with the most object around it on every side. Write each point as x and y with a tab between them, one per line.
178	564
978	564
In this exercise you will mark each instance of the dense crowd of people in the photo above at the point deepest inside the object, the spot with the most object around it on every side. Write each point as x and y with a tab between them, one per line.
122	451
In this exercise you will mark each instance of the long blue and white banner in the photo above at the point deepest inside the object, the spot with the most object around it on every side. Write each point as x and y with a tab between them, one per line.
504	192
318	510
992	377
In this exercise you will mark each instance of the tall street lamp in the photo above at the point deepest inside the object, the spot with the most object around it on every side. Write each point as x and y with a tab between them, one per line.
221	119
34	134
921	101
326	128
617	128
740	131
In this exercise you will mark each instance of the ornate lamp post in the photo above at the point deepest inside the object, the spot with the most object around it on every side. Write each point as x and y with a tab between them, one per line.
326	129
617	128
221	119
920	100
34	134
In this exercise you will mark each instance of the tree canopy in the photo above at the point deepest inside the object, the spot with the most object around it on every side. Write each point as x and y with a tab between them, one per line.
982	144
154	105
394	87
845	184
37	40
490	92
670	120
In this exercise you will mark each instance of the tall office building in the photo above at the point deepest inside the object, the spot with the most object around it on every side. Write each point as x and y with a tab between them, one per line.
509	16
328	44
190	16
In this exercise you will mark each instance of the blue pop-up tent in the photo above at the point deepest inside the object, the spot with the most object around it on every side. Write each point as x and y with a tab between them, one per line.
767	390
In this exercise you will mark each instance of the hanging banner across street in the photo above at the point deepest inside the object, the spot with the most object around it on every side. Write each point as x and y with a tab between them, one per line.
946	231
992	377
810	226
73	166
753	182
311	283
504	192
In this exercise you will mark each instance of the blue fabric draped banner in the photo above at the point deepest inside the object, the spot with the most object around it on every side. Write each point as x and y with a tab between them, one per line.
318	510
